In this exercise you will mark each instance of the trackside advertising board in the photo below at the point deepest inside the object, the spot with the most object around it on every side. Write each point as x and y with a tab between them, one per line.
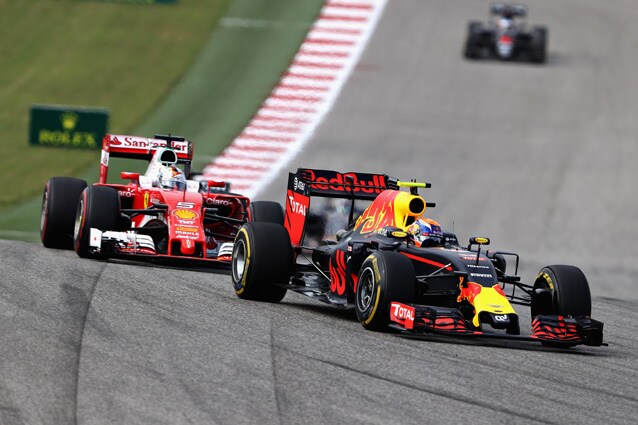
68	126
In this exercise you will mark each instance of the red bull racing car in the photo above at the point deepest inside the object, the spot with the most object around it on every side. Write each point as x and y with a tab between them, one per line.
506	36
399	270
161	214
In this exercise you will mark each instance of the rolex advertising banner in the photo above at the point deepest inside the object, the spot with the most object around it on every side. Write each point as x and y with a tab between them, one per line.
68	126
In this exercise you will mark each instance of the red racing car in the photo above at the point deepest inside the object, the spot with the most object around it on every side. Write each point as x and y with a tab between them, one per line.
161	214
398	269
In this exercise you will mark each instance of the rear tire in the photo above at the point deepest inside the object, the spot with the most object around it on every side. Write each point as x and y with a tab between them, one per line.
266	211
59	204
385	276
98	207
561	290
538	48
262	260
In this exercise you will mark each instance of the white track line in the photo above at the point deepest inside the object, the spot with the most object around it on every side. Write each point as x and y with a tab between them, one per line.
306	92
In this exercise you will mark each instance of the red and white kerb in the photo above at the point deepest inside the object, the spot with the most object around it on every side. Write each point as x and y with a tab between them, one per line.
306	92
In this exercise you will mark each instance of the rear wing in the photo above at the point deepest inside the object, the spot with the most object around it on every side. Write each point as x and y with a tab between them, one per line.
306	183
333	184
115	145
508	9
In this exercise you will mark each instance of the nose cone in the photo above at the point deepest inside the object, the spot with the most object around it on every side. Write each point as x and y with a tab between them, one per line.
187	247
486	299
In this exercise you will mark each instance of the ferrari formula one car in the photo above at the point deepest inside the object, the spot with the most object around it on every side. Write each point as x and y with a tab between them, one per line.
394	277
158	215
506	36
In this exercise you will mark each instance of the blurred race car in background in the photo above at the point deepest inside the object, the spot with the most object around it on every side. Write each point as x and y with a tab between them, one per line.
399	270
506	36
162	214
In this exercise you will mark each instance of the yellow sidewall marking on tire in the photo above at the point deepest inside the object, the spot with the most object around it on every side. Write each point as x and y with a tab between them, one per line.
246	263
376	300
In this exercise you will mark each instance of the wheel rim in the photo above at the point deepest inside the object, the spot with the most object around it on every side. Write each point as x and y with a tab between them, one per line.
365	289
239	260
78	219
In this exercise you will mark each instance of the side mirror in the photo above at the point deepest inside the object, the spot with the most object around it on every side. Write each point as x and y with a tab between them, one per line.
479	241
129	176
215	183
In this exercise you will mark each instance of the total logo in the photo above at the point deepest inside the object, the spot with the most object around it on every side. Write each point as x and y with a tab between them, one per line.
403	312
297	207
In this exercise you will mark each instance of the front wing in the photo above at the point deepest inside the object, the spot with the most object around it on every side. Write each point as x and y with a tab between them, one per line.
142	246
551	329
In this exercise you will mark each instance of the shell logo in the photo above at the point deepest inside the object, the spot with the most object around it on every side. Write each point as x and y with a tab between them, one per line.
185	214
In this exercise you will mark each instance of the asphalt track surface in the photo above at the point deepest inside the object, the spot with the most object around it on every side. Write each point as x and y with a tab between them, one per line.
539	158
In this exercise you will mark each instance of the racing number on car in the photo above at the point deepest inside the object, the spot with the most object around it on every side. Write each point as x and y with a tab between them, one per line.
186	205
338	273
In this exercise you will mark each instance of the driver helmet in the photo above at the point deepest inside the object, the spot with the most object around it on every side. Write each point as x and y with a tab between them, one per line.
425	232
505	23
171	177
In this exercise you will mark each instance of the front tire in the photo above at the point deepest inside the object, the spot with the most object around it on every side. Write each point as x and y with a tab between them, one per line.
262	260
538	48
472	48
59	204
561	290
385	276
99	208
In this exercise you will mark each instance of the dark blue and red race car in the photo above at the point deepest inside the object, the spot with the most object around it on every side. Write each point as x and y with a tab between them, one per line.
398	269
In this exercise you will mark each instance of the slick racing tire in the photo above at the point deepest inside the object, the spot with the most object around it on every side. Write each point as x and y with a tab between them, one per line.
59	203
266	211
561	290
99	208
472	48
538	45
385	276
262	260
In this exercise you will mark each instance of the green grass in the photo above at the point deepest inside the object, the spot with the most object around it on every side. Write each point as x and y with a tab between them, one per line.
120	56
141	62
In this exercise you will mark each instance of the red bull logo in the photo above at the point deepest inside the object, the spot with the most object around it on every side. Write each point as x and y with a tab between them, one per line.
379	214
341	182
469	292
